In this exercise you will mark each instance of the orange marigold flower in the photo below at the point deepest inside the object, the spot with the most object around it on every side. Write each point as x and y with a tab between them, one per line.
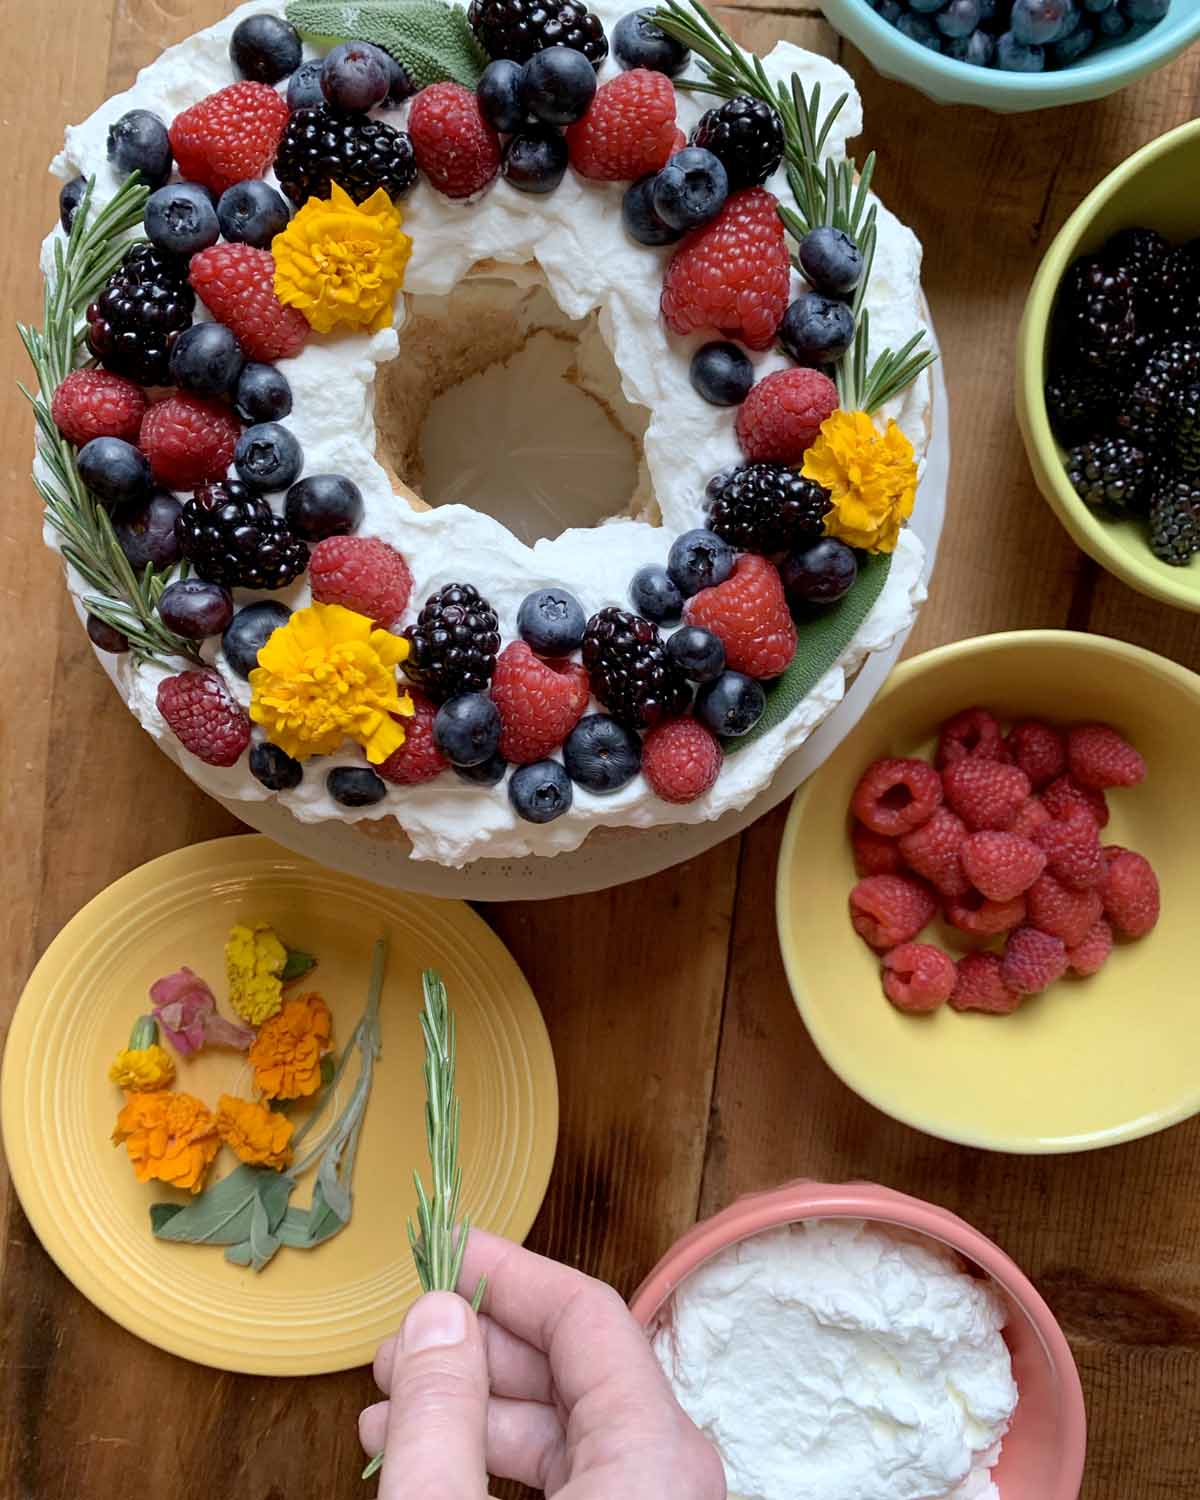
169	1137
254	1133
286	1054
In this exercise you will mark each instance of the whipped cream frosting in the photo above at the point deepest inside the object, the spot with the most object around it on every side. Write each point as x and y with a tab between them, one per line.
591	268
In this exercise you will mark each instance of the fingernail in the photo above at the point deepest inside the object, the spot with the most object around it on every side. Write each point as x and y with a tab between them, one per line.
437	1320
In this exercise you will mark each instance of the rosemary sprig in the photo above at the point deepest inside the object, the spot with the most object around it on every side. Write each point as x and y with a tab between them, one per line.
123	599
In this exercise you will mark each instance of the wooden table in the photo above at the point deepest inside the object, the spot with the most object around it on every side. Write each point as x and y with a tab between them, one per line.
686	1076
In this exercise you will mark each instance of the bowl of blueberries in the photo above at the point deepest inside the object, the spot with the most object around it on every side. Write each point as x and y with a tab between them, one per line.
1011	55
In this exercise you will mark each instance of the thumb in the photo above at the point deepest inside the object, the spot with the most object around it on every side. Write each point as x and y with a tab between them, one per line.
437	1422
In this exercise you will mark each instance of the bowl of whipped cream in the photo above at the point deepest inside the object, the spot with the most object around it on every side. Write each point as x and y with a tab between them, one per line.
848	1342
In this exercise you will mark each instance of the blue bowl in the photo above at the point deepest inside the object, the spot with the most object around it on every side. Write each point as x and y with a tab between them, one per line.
1107	68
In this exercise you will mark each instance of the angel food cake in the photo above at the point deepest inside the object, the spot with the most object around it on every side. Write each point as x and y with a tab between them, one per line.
482	439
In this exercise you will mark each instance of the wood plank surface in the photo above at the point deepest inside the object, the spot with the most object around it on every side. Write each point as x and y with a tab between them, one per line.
686	1077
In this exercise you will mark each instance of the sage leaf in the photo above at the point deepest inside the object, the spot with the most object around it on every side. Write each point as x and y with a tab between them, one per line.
161	1214
433	40
297	964
221	1215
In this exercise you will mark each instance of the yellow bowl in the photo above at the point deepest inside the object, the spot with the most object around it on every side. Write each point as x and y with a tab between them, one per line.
1092	1061
1151	188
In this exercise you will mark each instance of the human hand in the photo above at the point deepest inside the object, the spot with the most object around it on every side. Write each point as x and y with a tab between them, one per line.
556	1386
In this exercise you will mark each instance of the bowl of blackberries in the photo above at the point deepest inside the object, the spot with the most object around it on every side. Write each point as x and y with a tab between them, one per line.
1108	371
1013	55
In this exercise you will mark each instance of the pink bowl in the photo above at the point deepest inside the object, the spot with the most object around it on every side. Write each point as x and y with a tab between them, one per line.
1043	1454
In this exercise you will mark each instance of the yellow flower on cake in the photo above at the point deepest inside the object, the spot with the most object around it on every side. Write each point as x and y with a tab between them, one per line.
255	1134
327	676
168	1137
286	1054
342	262
254	961
871	477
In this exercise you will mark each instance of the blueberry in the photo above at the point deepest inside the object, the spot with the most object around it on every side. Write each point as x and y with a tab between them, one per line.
698	653
1094	7
138	142
1015	57
263	394
601	754
106	637
959	19
698	560
978	49
551	622
268	456
115	471
355	77
637	42
655	596
921	30
499	94
831	261
304	86
195	609
732	705
1112	24
534	161
817	330
265	48
206	359
1037	23
248	632
401	84
638	216
721	373
70	196
541	792
1073	47
926	6
274	767
690	189
181	219
146	533
321	505
890	10
466	729
355	786
557	85
252	213
490	772
820	574
1147	10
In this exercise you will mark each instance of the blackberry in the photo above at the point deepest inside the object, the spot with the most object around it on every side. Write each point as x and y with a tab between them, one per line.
1140	253
453	645
231	536
135	319
1170	299
766	507
321	145
1145	413
747	135
631	673
1187	431
1109	475
1095	313
1175	520
1079	403
519	28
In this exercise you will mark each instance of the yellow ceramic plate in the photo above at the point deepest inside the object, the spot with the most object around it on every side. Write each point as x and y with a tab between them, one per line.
1092	1061
309	1311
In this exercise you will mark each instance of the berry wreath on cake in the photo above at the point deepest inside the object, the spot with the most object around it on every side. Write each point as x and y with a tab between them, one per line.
285	240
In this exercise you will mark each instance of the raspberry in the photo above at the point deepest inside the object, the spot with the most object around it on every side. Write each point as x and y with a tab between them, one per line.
97	403
204	716
1038	750
887	910
229	136
1055	908
1002	865
780	418
1031	815
1032	961
975	914
1073	852
362	573
979	985
1090	956
1130	894
455	146
935	851
1065	796
1100	758
189	440
749	613
732	274
237	285
681	760
540	702
985	793
917	977
974	732
418	759
629	128
895	796
873	853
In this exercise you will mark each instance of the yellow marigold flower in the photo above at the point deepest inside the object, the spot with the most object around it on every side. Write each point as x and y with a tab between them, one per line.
254	960
286	1054
326	676
169	1137
342	262
143	1069
254	1133
871	477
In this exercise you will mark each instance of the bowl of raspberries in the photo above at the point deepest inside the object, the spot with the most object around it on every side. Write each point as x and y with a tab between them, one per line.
984	896
1108	371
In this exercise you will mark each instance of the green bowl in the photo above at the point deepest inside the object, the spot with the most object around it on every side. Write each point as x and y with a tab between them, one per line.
1156	187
